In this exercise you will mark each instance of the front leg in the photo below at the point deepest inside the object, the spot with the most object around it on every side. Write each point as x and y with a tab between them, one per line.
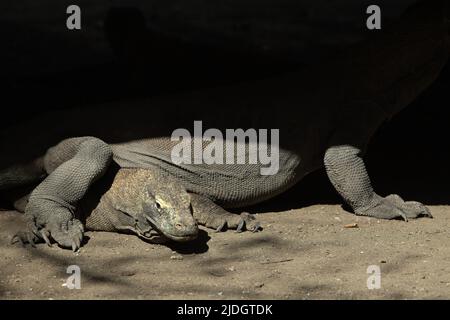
73	165
347	173
211	215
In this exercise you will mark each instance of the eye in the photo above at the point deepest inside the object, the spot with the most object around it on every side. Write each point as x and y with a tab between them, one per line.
158	205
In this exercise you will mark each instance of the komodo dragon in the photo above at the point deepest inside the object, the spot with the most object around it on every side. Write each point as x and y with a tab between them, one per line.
334	109
122	201
127	200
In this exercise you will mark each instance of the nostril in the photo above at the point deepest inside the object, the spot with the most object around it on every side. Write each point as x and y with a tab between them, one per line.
178	226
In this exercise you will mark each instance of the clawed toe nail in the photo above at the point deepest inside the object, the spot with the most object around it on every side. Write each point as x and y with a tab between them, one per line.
45	237
240	226
257	227
31	241
16	239
78	243
404	217
221	227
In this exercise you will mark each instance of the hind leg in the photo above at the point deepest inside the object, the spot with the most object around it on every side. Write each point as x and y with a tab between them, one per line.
73	165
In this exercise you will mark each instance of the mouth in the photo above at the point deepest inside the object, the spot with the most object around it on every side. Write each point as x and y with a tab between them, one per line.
153	237
176	237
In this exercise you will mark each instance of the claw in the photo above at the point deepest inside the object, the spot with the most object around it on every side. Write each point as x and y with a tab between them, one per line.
70	238
428	213
16	238
221	227
44	234
240	226
404	217
31	241
77	243
257	227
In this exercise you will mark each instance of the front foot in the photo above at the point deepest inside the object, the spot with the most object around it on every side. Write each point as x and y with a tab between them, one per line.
49	220
226	220
394	207
213	216
67	233
244	221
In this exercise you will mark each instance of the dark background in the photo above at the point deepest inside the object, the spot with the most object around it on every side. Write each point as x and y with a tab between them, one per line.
134	49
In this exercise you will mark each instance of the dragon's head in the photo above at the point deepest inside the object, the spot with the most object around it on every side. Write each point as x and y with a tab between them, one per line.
156	207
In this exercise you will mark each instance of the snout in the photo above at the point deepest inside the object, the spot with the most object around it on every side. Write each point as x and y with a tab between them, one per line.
178	227
183	232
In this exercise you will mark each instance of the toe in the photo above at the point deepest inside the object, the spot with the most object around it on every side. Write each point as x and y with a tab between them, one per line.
257	227
77	242
24	238
221	227
67	234
30	239
240	226
427	213
17	239
45	235
416	209
384	210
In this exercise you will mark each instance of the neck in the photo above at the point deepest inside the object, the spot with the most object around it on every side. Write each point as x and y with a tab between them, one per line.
106	218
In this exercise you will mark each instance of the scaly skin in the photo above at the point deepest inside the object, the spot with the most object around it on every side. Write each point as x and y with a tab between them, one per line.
139	201
340	104
129	205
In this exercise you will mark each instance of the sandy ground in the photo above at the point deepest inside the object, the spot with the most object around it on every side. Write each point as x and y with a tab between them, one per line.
301	254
